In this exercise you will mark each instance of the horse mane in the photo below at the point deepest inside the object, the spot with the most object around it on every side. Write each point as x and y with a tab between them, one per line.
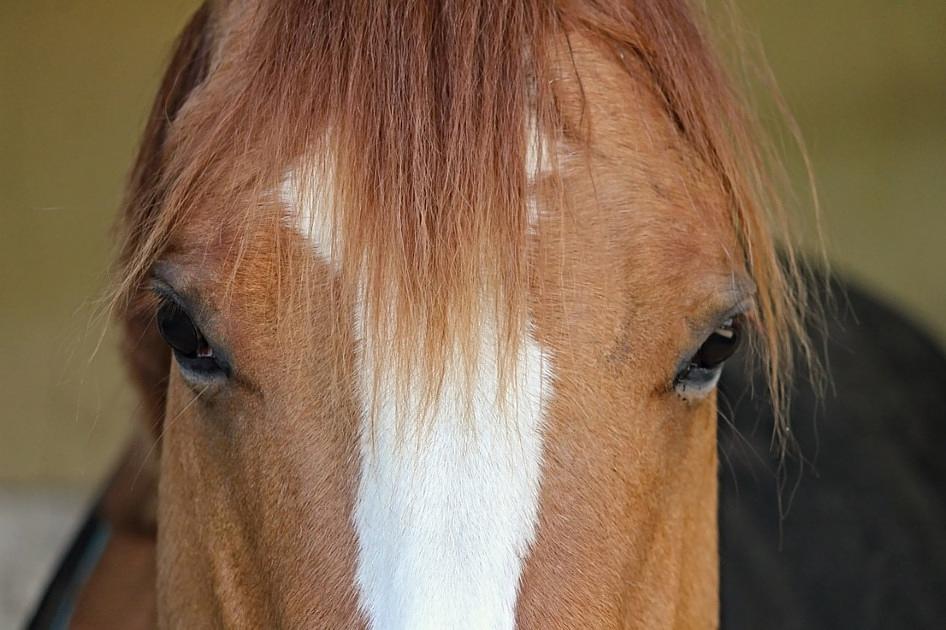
428	111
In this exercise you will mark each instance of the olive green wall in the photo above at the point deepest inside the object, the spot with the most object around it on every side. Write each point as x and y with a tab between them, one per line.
866	80
76	79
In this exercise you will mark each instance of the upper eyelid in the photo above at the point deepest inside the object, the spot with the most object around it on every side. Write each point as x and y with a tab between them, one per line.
743	307
166	292
161	281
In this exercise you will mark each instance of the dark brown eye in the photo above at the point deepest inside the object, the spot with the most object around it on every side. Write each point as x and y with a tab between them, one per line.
199	361
178	330
700	374
719	346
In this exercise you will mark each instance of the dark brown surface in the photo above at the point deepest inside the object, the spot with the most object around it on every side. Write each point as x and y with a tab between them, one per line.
862	542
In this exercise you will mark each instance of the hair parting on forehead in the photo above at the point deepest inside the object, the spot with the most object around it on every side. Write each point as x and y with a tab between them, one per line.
420	113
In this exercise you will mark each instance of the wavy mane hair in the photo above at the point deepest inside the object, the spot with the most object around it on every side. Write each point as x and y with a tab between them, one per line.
428	110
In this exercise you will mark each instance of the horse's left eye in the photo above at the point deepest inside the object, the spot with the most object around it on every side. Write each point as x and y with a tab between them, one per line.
719	346
702	371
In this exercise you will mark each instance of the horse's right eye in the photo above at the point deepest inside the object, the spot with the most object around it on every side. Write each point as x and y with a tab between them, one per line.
194	355
178	330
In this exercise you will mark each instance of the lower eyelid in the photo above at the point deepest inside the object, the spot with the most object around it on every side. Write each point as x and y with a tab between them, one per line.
193	373
693	390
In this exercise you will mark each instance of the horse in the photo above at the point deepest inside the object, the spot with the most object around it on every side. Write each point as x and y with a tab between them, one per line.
426	305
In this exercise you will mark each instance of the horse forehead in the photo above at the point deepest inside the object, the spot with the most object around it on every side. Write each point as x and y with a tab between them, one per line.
476	469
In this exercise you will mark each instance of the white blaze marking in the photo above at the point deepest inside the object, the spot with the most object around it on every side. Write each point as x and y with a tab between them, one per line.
312	212
446	509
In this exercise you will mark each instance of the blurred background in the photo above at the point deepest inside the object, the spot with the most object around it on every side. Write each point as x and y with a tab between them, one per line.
866	81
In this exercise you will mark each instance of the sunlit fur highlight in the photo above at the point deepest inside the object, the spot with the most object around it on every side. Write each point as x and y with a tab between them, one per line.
426	109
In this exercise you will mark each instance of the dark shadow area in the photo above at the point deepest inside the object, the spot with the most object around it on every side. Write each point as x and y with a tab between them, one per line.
862	543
